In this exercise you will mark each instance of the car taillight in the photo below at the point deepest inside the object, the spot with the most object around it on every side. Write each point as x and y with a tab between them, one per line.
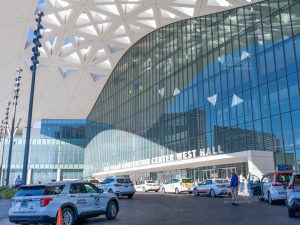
276	184
118	185
290	187
45	201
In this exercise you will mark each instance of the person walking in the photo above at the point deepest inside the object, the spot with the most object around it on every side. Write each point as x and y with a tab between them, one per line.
18	181
234	184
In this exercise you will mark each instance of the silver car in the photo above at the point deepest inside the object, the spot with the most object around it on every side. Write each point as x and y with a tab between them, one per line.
121	186
34	204
212	187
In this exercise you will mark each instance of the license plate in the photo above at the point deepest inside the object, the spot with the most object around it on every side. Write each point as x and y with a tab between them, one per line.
23	204
282	193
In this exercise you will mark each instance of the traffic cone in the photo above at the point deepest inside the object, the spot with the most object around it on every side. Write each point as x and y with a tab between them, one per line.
59	220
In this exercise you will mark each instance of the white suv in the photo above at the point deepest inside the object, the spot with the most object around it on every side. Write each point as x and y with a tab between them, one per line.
273	186
147	185
293	194
40	203
121	186
178	185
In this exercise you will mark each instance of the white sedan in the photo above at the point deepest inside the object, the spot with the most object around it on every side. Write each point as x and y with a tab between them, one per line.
212	187
147	185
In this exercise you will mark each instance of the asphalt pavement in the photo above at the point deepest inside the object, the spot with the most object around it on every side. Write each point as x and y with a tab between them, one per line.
185	209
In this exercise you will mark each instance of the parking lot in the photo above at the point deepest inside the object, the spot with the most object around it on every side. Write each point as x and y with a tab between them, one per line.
171	209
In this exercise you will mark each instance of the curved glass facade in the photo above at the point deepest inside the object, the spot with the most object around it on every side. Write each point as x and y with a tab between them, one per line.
225	82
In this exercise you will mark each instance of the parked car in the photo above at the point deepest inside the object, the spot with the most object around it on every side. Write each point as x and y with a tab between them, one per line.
93	181
34	204
178	185
147	185
118	185
212	187
293	194
274	185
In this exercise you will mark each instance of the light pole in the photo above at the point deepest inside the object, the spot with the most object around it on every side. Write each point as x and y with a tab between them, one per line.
35	62
5	126
12	129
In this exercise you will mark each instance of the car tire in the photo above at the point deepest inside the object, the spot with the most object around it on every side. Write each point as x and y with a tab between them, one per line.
156	190
68	216
111	211
110	191
163	190
130	196
176	191
270	201
195	192
292	213
261	198
212	193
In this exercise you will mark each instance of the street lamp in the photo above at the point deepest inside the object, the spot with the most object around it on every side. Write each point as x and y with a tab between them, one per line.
12	129
35	62
4	125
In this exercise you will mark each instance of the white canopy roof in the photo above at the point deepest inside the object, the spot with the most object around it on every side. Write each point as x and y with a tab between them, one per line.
83	41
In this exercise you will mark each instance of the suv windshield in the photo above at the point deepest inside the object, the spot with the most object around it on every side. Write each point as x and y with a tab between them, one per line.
107	181
284	179
222	181
150	181
122	181
31	191
94	181
187	181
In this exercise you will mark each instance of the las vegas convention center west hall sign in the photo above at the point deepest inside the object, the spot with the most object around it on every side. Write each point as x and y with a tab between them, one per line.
167	158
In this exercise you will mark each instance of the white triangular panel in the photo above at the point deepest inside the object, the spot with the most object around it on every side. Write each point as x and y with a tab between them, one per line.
89	30
186	10
150	23
236	100
147	13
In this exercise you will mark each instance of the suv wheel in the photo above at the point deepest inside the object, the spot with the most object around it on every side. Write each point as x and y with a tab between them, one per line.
212	193
111	211
130	196
292	213
110	191
67	216
271	202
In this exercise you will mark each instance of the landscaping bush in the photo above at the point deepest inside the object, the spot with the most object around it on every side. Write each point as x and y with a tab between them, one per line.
7	193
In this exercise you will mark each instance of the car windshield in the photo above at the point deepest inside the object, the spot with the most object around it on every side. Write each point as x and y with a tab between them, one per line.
187	181
284	178
107	181
297	180
94	181
221	181
122	181
31	191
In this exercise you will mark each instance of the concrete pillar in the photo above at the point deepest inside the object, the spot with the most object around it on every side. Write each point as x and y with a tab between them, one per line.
58	175
260	162
29	176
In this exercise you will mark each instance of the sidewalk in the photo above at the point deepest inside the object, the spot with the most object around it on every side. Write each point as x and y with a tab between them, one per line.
4	207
